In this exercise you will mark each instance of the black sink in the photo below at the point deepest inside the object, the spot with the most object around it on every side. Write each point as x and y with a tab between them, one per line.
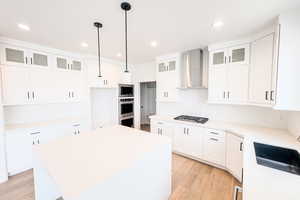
283	159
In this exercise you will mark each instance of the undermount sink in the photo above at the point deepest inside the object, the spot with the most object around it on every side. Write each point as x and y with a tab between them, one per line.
283	159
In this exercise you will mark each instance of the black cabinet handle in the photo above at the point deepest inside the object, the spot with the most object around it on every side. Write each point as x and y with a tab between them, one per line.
267	94
241	146
224	95
214	133
214	139
28	95
26	60
31	62
229	59
33	95
225	59
228	93
271	96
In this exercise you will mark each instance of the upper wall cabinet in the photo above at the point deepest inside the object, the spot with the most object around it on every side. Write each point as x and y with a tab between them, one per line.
167	78
68	63
15	56
228	75
262	71
110	74
288	81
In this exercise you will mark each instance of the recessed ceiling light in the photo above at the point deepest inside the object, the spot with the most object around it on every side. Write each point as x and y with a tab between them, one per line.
153	44
24	27
84	44
119	55
218	24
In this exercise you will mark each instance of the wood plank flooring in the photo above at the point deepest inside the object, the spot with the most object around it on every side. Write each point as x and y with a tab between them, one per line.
191	180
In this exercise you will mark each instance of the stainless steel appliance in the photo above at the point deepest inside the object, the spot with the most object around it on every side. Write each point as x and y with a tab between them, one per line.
126	90
194	69
201	120
126	111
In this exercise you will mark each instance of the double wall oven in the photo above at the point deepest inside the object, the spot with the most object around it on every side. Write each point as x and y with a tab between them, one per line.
126	105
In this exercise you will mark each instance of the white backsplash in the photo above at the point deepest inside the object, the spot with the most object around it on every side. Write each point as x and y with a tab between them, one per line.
194	102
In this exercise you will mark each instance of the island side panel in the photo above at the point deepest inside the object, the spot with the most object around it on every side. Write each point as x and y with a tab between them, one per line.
44	186
147	179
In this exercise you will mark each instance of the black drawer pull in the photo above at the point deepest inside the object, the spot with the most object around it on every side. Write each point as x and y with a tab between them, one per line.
214	139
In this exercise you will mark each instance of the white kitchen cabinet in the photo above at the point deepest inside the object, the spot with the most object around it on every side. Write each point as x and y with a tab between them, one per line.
110	74
239	54
15	85
66	63
189	140
162	128
218	84
167	78
19	149
23	86
261	71
18	56
214	147
234	155
13	55
229	75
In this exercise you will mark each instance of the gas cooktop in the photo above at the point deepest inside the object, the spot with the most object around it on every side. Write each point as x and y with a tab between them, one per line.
201	120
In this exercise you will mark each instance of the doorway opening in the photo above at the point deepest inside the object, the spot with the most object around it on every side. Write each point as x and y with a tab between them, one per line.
148	103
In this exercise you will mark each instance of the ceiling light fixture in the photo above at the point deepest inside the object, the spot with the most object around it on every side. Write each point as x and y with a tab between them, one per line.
24	27
126	7
218	24
84	44
98	25
153	44
119	55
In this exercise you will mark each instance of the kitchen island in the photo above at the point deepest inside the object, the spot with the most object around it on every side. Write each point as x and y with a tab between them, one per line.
111	163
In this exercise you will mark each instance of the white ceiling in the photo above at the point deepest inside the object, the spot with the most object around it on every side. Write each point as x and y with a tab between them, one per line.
174	24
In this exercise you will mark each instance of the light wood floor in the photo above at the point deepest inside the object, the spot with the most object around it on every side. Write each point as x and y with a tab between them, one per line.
145	127
191	180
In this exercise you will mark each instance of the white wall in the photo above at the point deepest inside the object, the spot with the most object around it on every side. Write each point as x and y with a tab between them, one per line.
294	123
193	102
144	72
141	73
3	169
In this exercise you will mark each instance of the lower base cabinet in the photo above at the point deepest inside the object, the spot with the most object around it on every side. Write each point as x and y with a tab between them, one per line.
234	151
214	147
188	140
19	143
217	147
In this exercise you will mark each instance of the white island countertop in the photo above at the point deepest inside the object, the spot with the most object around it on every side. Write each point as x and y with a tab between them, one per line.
259	182
78	163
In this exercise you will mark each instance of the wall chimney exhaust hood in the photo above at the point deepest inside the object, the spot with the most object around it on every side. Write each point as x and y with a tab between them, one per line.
194	69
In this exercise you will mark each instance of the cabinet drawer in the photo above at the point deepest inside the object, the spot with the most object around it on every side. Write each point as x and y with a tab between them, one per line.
219	135
214	147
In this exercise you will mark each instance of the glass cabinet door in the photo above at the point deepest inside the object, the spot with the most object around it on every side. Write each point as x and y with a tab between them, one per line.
76	65
14	55
62	63
239	54
39	59
162	67
218	57
172	66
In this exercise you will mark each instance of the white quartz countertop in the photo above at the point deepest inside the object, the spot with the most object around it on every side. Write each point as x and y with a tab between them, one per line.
11	127
259	183
77	163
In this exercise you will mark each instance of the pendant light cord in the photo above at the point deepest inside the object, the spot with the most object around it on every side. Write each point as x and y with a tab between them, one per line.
99	53
126	46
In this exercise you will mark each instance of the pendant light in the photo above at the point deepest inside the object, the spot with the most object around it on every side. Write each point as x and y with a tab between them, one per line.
126	7
98	25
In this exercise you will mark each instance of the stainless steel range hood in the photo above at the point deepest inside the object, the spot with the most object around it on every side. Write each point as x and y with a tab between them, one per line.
194	69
